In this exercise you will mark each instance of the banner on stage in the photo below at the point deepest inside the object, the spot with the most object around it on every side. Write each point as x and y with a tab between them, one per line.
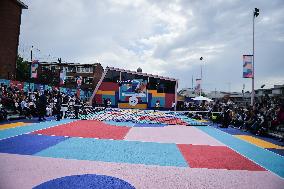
247	66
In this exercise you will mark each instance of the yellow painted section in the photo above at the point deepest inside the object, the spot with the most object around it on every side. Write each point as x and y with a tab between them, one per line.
138	106
156	94
12	125
106	92
258	142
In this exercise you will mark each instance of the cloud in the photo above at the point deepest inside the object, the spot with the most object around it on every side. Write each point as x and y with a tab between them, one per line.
161	37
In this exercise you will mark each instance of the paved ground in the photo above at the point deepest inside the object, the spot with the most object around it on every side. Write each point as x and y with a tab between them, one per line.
95	154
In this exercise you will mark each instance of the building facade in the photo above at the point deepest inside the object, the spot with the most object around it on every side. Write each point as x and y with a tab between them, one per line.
49	73
129	89
10	21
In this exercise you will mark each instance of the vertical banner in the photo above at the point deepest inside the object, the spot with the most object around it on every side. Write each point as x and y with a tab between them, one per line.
62	76
247	66
79	81
198	86
34	67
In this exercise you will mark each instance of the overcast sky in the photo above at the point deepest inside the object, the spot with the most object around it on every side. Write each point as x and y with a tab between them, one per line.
162	37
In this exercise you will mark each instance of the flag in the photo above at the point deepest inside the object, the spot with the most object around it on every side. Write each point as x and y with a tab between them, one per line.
247	66
34	67
198	86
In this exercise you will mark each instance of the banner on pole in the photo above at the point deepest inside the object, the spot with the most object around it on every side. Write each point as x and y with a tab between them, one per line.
247	66
34	67
198	86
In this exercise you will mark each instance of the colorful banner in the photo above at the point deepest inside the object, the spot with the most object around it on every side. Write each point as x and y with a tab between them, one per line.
62	76
247	66
34	67
198	86
136	87
79	81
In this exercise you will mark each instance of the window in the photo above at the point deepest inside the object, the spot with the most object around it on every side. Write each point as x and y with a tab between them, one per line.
70	69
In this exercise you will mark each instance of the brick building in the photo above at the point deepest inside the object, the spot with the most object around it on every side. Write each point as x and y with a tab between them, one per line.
10	21
49	73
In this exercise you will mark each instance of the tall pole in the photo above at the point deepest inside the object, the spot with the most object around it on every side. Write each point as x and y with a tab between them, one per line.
200	80
255	14
252	79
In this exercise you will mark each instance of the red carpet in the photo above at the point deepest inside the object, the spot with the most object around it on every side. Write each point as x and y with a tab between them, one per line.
87	129
216	157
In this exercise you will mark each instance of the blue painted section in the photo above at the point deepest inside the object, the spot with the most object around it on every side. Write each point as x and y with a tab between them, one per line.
5	82
28	144
149	100
234	131
88	181
116	98
111	97
147	153
263	157
30	128
277	151
161	99
124	124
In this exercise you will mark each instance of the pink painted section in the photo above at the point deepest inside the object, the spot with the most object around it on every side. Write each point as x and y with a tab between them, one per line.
25	172
172	134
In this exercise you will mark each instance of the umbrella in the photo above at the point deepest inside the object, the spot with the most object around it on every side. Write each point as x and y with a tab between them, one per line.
200	98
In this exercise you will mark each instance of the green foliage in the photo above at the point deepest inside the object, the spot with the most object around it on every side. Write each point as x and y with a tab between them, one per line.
23	69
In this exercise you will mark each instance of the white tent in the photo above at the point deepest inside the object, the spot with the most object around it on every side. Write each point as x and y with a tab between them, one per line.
200	98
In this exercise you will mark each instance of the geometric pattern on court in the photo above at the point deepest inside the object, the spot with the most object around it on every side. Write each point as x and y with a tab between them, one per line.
30	128
147	153
26	172
145	157
13	125
216	157
258	142
85	181
28	144
265	158
172	134
87	129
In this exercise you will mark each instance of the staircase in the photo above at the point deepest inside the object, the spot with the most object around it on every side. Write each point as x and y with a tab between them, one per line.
98	85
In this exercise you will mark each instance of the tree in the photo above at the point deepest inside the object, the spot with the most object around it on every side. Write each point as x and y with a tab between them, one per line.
23	69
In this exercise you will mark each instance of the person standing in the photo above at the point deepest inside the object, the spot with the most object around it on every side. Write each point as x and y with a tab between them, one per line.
173	106
58	107
42	103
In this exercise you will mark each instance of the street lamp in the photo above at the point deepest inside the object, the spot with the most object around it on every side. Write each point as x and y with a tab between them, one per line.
255	14
201	58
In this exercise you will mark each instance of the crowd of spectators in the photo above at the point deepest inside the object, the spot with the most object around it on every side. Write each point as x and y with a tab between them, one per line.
265	117
40	104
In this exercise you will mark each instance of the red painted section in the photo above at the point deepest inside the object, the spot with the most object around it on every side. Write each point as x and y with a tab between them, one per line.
98	98
87	129
169	99
216	157
18	84
109	86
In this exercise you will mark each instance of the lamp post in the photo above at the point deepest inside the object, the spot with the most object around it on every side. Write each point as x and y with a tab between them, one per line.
255	14
201	58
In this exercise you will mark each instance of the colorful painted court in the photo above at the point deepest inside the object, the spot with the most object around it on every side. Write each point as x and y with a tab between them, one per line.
108	154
